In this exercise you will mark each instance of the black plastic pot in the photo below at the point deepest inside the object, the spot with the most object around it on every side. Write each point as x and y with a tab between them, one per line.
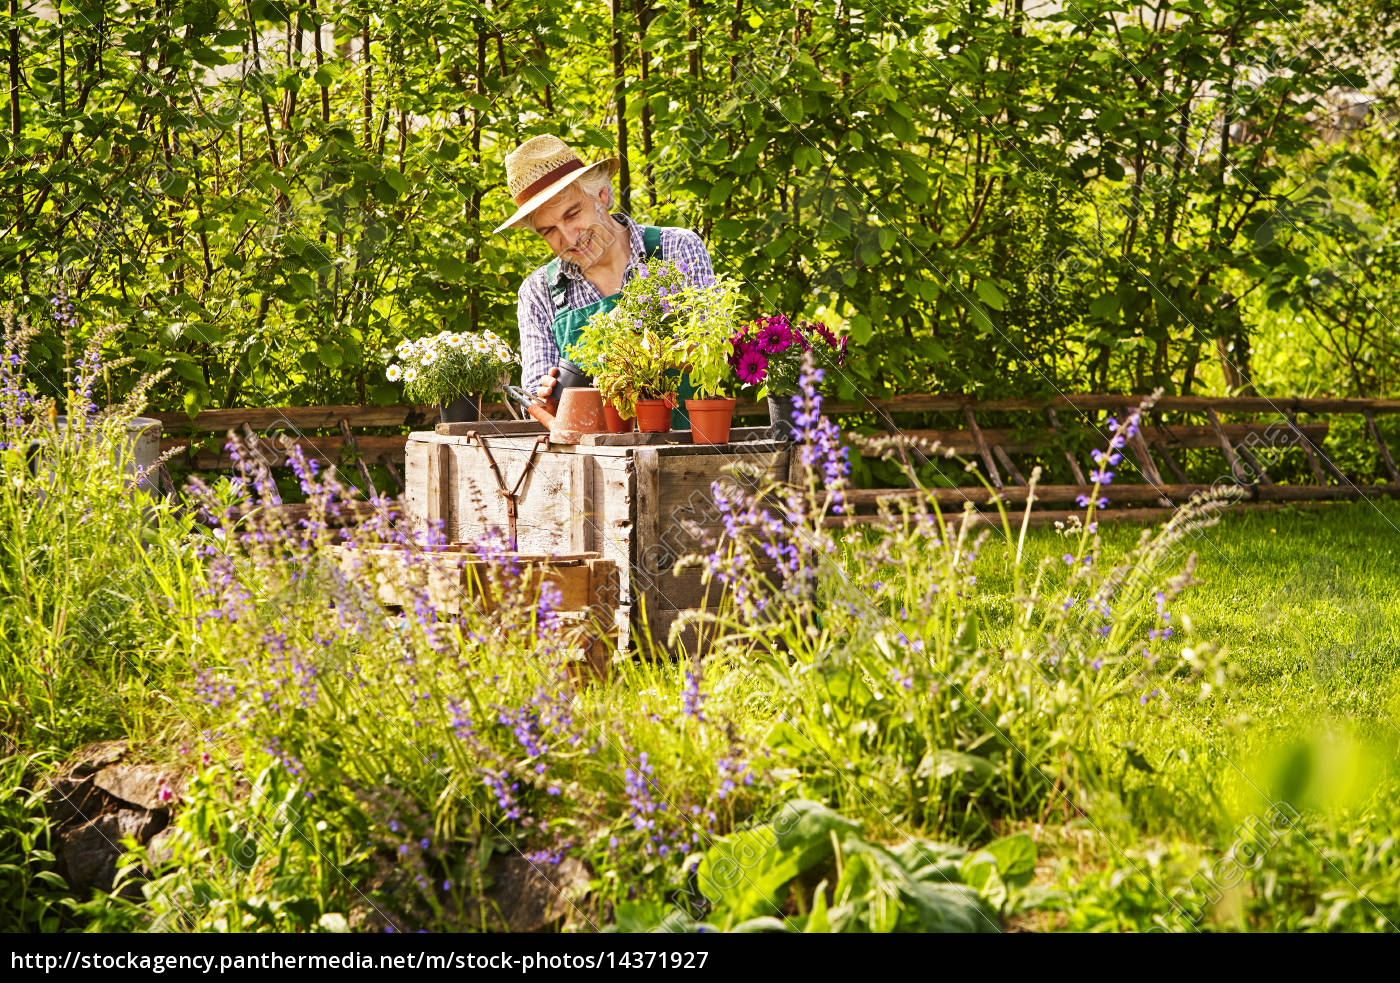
463	409
781	418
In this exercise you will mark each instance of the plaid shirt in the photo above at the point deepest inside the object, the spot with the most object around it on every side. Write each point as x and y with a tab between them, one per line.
535	311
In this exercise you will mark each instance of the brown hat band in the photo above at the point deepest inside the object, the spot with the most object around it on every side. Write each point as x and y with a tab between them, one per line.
568	167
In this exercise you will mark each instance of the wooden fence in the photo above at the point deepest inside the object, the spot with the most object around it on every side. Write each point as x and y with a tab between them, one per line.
275	431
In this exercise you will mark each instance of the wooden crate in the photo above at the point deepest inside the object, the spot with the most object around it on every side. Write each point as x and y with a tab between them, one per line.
643	500
456	580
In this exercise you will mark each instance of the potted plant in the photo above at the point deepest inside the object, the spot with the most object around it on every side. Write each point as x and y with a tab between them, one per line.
457	371
768	355
706	337
631	350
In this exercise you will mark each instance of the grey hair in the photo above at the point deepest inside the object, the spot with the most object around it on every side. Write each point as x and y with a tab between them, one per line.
590	184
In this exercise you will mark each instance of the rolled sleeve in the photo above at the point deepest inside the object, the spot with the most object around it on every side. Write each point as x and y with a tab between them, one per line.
534	316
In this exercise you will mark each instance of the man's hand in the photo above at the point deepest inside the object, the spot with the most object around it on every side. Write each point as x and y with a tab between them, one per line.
547	382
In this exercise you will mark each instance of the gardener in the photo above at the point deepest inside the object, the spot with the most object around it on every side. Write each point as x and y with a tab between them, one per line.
595	254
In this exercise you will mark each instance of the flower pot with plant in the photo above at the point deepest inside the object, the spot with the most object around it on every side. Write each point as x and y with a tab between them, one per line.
768	356
706	337
457	371
631	350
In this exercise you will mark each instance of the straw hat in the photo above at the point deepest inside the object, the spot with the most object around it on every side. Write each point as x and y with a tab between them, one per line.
539	169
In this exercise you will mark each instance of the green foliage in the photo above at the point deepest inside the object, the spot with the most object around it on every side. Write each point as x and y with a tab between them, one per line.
745	881
1020	201
712	316
33	897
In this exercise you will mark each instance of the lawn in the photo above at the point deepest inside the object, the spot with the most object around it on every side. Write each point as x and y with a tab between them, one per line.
1303	603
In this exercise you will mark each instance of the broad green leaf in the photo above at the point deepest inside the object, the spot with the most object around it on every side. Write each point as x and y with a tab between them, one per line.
990	294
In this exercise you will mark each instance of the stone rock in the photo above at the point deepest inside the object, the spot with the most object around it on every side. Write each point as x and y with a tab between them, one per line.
97	756
87	853
139	785
95	803
530	897
522	897
158	849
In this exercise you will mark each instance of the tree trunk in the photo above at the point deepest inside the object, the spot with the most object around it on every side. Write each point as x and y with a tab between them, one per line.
15	123
643	16
620	104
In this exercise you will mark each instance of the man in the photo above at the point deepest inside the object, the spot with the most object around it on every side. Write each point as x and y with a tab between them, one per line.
596	253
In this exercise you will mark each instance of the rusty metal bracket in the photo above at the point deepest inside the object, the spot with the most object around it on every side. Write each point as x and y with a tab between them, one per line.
511	495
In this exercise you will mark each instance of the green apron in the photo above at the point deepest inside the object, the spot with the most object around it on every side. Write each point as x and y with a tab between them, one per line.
569	322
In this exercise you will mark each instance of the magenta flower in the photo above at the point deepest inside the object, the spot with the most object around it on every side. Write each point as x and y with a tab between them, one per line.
775	336
751	365
825	333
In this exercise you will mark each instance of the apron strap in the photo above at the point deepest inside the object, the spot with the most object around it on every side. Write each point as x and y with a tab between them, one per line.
651	241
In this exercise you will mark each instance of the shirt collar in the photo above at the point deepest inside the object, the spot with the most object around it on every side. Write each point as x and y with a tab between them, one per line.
634	252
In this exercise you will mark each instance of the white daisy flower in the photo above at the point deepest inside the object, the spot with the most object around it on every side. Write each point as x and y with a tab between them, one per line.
394	373
429	357
410	374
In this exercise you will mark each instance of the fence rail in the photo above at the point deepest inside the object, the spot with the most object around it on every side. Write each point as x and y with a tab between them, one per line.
274	431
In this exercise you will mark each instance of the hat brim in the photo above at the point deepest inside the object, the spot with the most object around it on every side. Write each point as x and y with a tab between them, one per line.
613	164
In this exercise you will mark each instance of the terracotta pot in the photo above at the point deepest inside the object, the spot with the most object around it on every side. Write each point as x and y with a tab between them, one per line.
710	420
617	423
580	411
653	415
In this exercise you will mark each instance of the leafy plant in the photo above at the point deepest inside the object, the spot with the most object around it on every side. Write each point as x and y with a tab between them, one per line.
706	335
33	897
761	879
632	350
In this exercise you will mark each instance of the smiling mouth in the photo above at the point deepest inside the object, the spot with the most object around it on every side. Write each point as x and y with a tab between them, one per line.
585	246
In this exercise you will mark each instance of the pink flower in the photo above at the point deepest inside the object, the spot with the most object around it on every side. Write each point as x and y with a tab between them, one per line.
826	333
775	336
750	364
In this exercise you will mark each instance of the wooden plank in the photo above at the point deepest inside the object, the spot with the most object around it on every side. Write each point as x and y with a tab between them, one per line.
439	495
1037	517
991	466
325	417
1255	463
1225	446
649	558
491	428
1380	443
581	514
375	449
1074	468
1143	454
1307	445
1008	464
953	403
1033	442
359	458
1118	494
1161	437
394	475
670	437
298	417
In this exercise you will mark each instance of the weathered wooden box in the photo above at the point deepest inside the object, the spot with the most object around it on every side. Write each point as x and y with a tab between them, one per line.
455	580
644	500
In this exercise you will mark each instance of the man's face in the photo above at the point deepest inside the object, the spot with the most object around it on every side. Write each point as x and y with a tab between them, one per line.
576	226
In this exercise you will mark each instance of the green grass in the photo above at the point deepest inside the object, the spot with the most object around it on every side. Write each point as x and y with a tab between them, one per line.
1303	603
